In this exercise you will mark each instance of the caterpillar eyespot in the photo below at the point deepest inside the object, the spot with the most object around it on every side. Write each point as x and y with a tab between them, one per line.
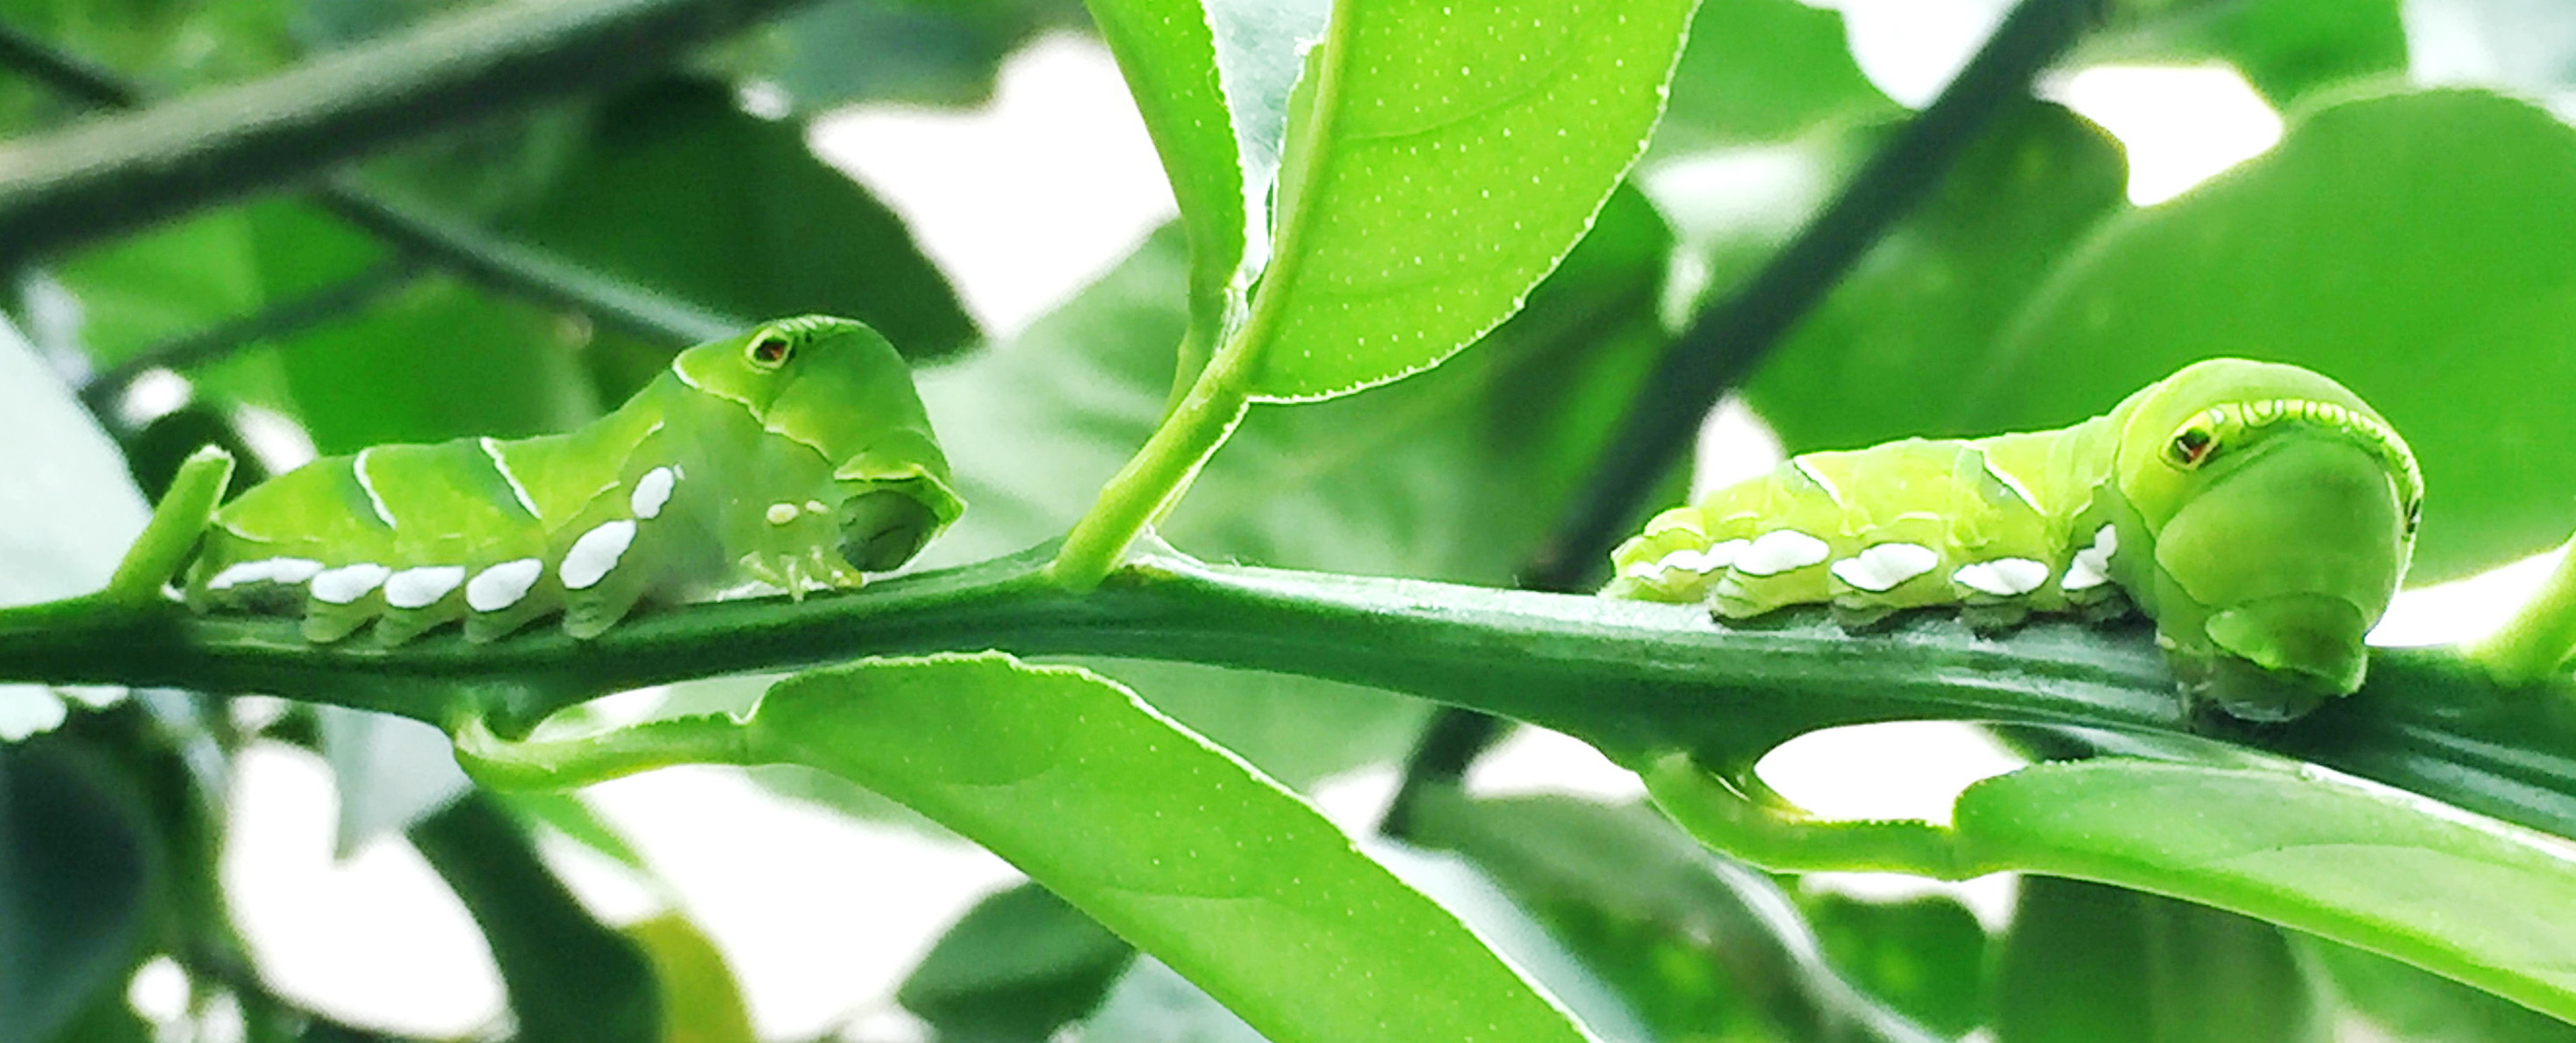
667	498
2260	514
770	351
2192	445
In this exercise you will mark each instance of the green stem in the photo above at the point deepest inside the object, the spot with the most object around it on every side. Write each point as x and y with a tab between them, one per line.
569	763
1785	840
2530	646
352	294
526	272
1154	479
1626	677
108	176
172	531
457	246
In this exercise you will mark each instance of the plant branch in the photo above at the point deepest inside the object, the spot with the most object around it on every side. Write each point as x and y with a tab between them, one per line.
283	320
1154	479
1629	677
117	174
521	271
496	263
86	82
1726	341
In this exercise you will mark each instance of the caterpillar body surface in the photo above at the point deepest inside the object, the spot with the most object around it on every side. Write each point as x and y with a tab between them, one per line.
2260	514
796	455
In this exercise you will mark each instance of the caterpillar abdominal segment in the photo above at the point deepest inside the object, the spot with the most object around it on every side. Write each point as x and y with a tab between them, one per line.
2260	514
796	455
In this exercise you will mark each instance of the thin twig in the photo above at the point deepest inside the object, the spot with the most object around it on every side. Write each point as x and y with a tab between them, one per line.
498	264
1727	340
527	272
85	81
283	320
107	176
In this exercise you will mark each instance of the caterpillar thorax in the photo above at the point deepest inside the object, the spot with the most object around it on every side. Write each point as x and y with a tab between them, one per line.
795	455
2259	513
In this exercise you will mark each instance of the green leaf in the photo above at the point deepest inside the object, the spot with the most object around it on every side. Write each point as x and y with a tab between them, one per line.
1699	944
174	281
1917	322
67	510
1925	956
2352	861
1018	965
1164	839
438	361
571	816
77	869
569	978
1152	1003
2084	963
1459	474
924	52
2406	244
678	190
2413	1005
1452	475
1440	160
2286	48
1167	49
1764	70
701	1002
387	771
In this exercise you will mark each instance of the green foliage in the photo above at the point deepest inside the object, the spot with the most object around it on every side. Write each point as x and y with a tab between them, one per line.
77	870
1429	181
1167	840
2388	231
1437	192
2190	972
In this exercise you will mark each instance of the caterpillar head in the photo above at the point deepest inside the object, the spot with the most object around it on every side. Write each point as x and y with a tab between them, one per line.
837	387
2281	511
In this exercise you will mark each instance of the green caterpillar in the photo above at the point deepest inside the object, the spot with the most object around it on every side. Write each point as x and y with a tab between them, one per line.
795	455
2260	514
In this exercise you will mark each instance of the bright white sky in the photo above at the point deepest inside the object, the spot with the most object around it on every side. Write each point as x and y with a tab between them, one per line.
1024	202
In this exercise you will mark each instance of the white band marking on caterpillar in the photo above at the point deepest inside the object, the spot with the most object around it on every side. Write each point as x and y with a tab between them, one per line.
1779	551
595	553
1880	567
423	586
2003	577
502	585
348	583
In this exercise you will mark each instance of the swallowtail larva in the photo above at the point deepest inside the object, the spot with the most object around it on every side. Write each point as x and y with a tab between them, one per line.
2260	514
795	455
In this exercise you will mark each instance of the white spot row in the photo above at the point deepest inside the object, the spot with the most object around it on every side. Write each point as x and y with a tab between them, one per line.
1878	568
265	570
1882	567
2092	565
595	553
590	559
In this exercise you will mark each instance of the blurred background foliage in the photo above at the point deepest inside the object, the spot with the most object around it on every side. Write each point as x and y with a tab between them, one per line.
2409	234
